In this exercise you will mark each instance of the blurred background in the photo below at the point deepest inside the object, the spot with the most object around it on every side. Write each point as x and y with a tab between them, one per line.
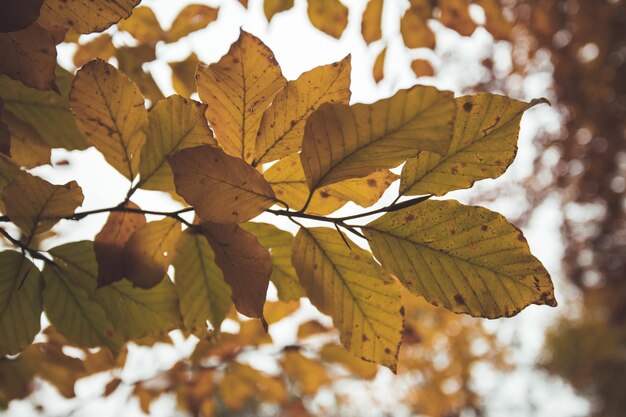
566	190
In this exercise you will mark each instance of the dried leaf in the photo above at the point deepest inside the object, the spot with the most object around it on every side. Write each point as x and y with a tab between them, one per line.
422	68
455	15
85	16
379	66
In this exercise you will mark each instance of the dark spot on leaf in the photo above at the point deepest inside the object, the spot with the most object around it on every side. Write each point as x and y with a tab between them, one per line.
453	231
484	227
324	194
458	298
402	310
409	217
454	170
467	106
387	351
365	338
520	237
372	182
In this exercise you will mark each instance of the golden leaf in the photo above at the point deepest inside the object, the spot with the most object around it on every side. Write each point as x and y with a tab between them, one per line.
422	68
338	354
363	300
273	7
379	66
109	110
190	19
242	382
467	259
455	15
308	373
184	75
371	22
85	16
415	32
329	16
143	25
495	22
101	47
28	149
238	89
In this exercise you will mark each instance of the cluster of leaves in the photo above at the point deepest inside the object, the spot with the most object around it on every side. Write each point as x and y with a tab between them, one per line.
324	153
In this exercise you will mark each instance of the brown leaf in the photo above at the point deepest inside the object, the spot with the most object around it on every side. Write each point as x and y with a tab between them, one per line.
379	66
371	22
246	265
101	47
455	15
109	243
30	56
415	32
422	68
18	15
222	188
28	149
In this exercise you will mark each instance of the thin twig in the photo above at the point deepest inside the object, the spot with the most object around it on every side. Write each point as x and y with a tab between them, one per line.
33	253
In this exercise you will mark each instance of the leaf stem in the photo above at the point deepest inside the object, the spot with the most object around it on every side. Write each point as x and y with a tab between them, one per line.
34	253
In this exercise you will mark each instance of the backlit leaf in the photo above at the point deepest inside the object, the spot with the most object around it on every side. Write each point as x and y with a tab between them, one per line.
29	55
8	171
150	251
174	124
143	25
238	89
455	15
85	16
27	148
279	243
289	183
109	110
329	16
184	75
379	66
467	259
101	47
415	32
275	311
109	243
46	111
371	23
273	7
308	373
222	188
363	300
16	15
422	68
246	265
342	142
282	125
190	19
338	354
74	313
35	205
203	293
483	145
20	307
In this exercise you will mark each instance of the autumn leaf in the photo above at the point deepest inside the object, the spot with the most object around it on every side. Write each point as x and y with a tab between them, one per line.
85	16
455	15
338	354
495	22
279	243
238	89
371	22
28	149
282	126
415	32
273	7
109	243
289	183
20	301
45	111
467	259
329	16
101	47
309	374
109	110
366	137
184	75
8	171
131	61
379	66
222	188
190	19
150	251
174	124
143	25
35	205
483	145
246	265
16	16
29	55
422	68
242	382
199	282
347	284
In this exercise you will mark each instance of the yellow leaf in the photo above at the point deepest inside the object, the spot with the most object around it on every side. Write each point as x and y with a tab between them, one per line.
483	145
363	300
371	22
279	243
184	75
275	311
143	25
190	19
245	263
423	8
29	56
273	7
455	15
109	243
85	16
422	68
289	183
131	61
35	205
282	125
384	134
338	354
199	282
101	47
21	309
329	16
242	382
109	110
71	310
379	66
27	148
46	111
174	124
238	89
222	188
495	22
467	259
150	251
415	32
312	328
308	373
